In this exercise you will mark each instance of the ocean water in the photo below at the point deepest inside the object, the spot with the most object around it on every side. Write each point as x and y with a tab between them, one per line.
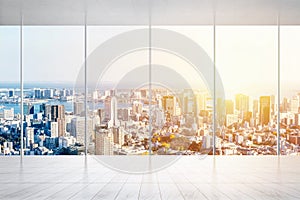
16	107
68	106
28	91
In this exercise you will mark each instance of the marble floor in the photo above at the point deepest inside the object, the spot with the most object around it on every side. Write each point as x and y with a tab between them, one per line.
79	177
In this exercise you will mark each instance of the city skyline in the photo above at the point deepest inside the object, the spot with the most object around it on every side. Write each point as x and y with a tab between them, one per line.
179	106
182	123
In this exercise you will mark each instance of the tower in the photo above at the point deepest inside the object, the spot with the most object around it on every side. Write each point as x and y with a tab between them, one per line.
78	108
294	104
264	110
169	104
37	93
104	142
113	112
78	129
58	115
229	107
54	129
242	104
118	135
199	103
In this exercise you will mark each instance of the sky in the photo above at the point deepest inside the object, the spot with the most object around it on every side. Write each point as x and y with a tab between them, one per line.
246	56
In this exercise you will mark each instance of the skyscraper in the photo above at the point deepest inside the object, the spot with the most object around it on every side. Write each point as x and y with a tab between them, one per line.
199	104
37	93
272	104
104	142
47	111
229	107
137	107
8	114
11	93
284	105
294	104
107	107
78	129
29	136
78	108
101	114
113	113
54	129
255	108
57	111
242	104
48	93
264	110
169	104
119	135
28	109
58	115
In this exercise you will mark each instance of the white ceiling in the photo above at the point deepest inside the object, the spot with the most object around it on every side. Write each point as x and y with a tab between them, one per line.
136	12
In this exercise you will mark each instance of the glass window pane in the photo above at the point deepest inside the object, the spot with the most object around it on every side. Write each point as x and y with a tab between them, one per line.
247	61
10	128
290	97
183	83
53	57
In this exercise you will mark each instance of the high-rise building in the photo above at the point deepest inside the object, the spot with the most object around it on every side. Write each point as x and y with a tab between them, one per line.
255	107
188	104
101	114
47	112
229	107
169	104
272	103
199	104
113	113
28	109
242	104
107	107
8	114
284	106
58	115
118	134
78	129
144	93
137	107
54	129
158	117
37	93
48	93
29	131
294	104
220	111
264	110
61	126
57	111
123	114
78	108
95	95
104	142
63	93
11	93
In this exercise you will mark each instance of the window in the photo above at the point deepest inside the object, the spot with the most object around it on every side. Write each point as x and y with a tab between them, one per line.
111	79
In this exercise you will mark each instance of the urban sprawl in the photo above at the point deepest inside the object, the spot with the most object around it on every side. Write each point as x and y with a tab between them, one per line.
129	122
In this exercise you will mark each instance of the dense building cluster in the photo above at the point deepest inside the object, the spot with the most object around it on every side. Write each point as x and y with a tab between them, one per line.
128	122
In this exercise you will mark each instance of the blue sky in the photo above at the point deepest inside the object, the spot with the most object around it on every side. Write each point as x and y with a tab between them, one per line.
246	56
